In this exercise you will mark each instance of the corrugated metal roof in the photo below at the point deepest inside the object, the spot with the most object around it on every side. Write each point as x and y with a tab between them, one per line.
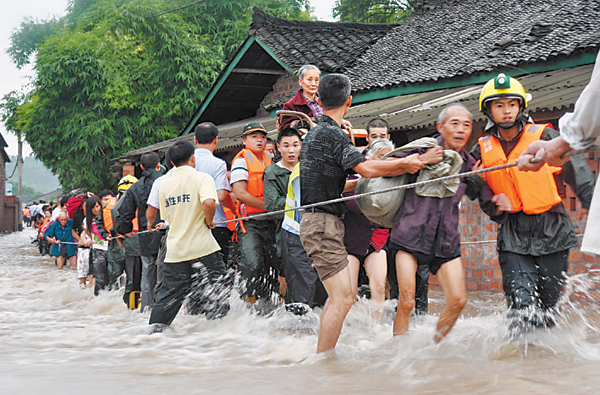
551	91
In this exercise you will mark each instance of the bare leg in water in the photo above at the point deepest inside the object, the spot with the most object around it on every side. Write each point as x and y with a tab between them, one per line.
336	308
452	278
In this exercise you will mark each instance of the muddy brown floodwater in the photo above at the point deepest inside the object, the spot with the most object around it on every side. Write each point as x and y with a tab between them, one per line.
58	339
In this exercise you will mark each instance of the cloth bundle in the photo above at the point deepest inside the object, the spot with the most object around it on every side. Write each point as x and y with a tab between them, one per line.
382	208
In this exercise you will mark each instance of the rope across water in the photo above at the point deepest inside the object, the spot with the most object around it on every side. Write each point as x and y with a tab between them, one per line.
406	186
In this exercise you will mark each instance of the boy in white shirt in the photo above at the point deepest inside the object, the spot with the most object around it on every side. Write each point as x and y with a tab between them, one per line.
193	266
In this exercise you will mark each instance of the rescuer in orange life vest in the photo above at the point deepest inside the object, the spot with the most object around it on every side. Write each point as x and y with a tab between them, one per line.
259	265
535	232
116	250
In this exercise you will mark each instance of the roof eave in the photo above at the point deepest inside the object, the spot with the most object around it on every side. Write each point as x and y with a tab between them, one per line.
554	64
224	75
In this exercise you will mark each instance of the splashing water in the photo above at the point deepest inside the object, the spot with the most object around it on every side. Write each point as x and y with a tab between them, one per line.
57	338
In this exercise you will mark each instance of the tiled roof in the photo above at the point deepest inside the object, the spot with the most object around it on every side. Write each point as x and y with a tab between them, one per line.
555	90
468	37
331	46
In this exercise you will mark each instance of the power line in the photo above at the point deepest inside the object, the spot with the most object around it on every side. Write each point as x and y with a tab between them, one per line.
173	9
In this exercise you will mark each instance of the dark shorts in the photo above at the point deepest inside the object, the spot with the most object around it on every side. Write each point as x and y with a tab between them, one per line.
362	258
432	261
64	252
322	237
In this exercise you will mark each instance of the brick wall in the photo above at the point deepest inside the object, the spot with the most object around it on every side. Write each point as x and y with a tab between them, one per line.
128	169
2	192
9	221
283	89
481	260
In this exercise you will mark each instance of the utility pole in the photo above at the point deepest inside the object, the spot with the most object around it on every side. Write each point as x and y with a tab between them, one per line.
20	168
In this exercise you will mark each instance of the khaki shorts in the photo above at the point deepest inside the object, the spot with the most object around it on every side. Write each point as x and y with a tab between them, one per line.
322	237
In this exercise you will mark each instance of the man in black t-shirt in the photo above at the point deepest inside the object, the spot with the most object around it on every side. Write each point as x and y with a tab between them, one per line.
326	158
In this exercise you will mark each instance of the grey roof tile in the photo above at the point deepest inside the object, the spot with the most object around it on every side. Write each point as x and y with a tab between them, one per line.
331	46
465	37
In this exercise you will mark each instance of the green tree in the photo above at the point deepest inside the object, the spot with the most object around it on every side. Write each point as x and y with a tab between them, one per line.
373	11
27	190
25	40
226	22
110	78
11	114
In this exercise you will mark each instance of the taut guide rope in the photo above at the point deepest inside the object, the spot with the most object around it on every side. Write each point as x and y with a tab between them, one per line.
590	148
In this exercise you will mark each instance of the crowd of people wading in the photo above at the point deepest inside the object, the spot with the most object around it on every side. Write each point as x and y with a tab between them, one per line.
183	234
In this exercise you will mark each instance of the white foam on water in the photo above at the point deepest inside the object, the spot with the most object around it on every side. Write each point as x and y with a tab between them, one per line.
57	338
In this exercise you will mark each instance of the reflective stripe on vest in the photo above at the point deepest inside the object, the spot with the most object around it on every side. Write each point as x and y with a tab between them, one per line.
530	192
255	187
292	200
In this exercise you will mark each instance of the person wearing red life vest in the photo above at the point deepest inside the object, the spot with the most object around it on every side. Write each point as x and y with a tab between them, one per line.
535	232
259	264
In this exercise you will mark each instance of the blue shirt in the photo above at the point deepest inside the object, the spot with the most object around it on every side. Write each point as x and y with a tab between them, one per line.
62	234
215	167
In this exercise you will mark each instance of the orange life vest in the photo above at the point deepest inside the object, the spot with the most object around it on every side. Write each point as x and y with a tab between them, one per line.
530	192
107	215
42	224
26	212
256	170
229	215
136	227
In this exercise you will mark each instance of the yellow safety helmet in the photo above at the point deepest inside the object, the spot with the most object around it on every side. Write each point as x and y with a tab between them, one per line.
126	182
501	87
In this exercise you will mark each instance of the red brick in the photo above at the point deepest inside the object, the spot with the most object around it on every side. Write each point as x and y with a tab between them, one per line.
128	169
579	296
477	253
569	204
476	231
595	296
580	268
588	258
575	256
593	164
471	263
497	273
495	284
471	285
477	274
480	287
495	262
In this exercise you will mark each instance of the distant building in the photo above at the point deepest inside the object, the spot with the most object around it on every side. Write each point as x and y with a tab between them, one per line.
10	215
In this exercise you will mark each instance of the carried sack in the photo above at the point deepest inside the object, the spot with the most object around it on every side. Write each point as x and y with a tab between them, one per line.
383	208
